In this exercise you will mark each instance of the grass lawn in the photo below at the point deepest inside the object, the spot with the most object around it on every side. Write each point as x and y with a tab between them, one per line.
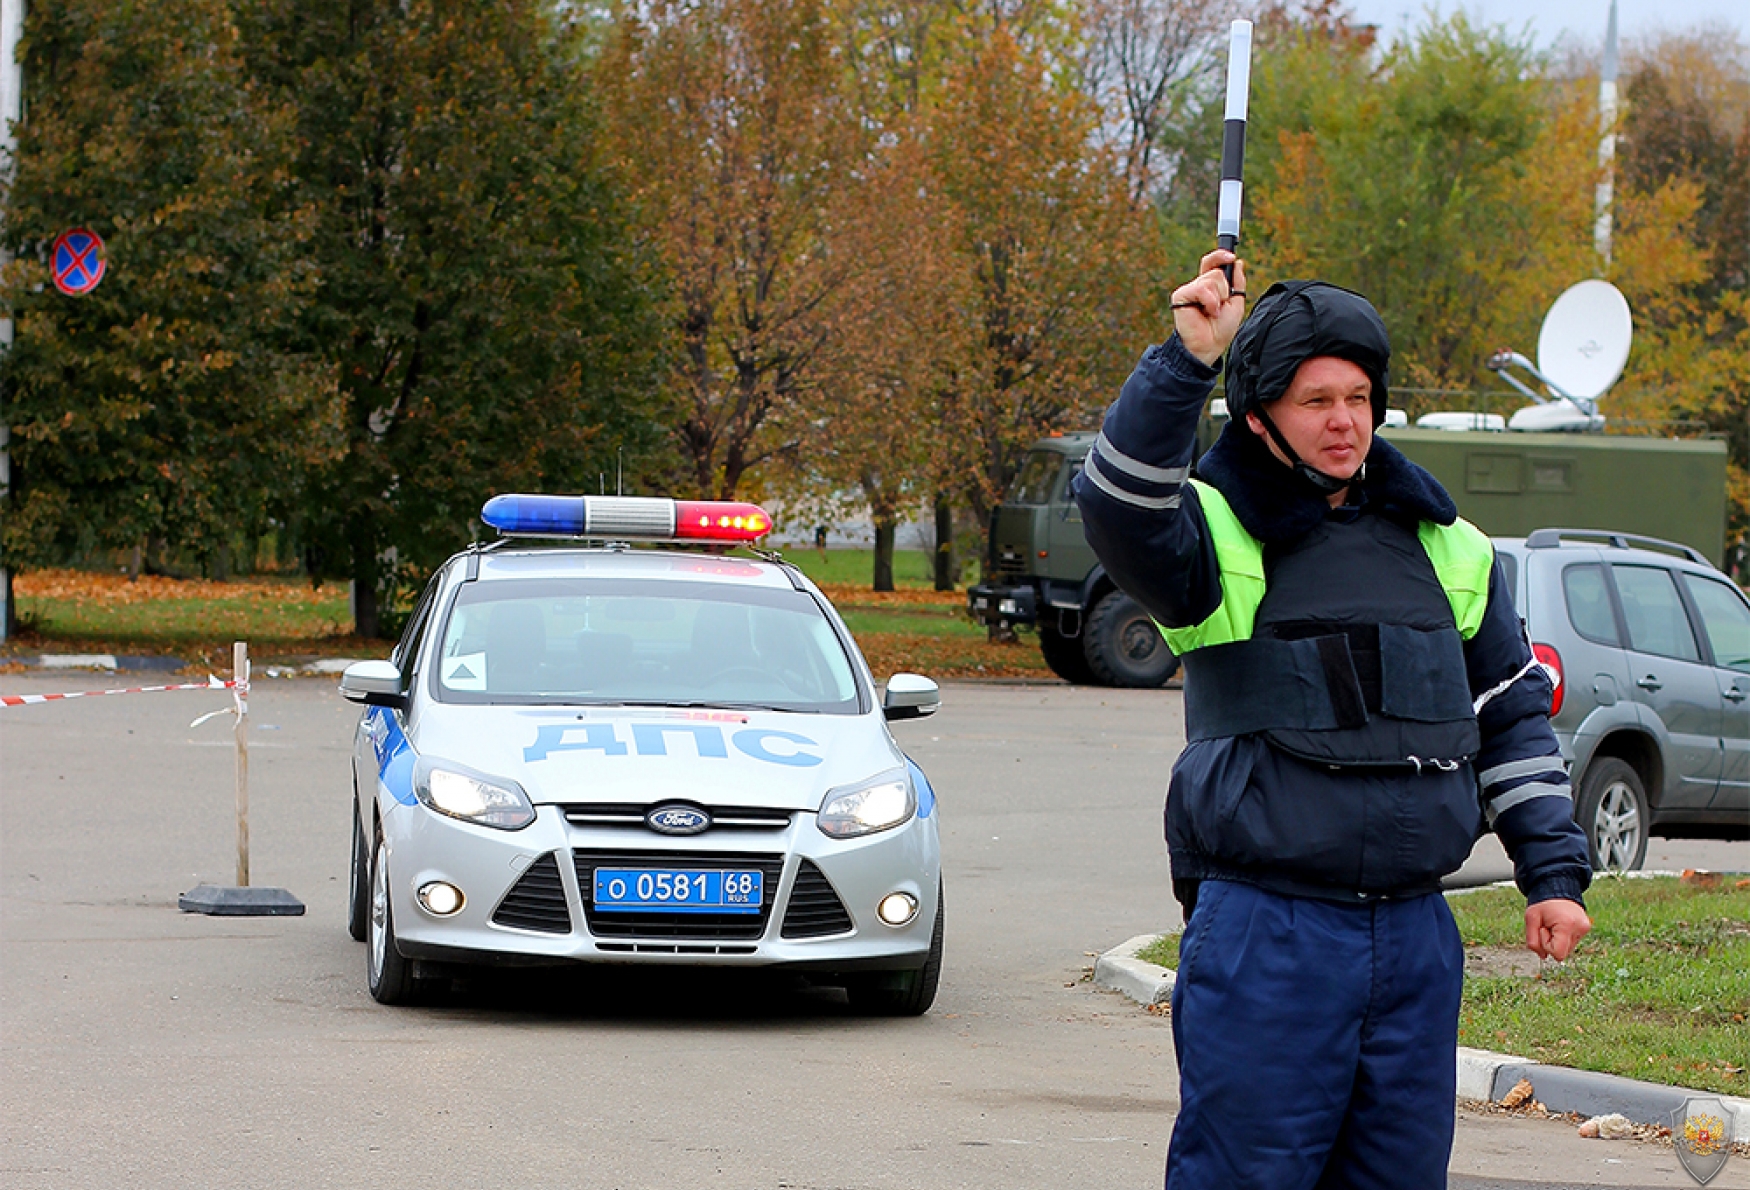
914	628
1660	989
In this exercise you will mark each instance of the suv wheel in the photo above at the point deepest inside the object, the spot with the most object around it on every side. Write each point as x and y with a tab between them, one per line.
1613	813
1122	645
1065	657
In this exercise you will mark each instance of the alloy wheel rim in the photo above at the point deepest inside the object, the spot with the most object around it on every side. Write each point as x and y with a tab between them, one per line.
1616	827
379	914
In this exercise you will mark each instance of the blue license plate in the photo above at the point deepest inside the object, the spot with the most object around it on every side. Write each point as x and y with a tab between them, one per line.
677	890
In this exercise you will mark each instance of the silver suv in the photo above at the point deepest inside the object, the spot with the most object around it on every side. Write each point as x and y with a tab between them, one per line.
1649	648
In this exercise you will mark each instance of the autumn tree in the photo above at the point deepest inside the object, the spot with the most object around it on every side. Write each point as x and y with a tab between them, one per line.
165	406
731	129
1058	259
484	318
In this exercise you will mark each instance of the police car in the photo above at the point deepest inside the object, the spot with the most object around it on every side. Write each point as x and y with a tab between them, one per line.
608	754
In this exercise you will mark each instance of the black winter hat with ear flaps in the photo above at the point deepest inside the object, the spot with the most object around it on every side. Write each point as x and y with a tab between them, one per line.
1292	323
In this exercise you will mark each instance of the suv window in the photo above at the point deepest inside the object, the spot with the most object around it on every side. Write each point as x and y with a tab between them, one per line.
1033	485
1589	604
1725	619
1654	613
1509	571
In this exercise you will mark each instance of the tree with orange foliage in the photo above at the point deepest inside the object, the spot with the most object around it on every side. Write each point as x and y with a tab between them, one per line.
732	131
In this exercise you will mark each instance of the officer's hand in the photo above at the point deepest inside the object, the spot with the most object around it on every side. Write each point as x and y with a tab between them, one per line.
1207	312
1554	928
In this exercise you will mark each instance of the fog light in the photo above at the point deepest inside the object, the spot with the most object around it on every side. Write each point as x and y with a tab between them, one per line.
440	899
1007	607
897	908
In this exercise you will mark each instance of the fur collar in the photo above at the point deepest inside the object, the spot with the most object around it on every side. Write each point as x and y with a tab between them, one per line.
1278	507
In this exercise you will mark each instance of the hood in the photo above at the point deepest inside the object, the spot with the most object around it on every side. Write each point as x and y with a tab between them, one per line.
646	755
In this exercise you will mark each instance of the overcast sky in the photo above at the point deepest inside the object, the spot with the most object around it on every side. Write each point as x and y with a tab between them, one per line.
1583	20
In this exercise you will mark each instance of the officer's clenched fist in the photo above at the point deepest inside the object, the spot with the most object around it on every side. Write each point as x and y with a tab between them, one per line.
1207	312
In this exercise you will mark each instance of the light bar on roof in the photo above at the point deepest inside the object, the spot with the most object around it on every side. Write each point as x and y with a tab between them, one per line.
626	518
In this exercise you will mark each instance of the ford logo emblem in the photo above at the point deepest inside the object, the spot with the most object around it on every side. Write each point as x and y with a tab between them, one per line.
677	820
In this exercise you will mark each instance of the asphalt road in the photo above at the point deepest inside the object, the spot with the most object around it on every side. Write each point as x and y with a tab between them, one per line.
142	1047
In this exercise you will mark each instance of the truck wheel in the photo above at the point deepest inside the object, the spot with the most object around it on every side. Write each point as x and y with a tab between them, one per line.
1122	645
1065	657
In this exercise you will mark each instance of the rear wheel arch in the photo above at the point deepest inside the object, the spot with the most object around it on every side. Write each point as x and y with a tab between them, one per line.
1640	752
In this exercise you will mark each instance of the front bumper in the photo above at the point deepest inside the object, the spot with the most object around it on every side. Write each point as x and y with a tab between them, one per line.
528	894
1003	606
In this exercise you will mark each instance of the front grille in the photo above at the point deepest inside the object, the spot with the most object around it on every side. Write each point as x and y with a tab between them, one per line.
745	926
630	815
815	909
537	901
1010	566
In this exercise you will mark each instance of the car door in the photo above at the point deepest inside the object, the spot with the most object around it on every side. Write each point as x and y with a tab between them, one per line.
1725	622
1668	676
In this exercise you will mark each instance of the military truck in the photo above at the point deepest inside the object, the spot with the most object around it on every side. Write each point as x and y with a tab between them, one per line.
1041	574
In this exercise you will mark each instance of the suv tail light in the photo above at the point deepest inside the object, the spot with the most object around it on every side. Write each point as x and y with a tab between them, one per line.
1552	665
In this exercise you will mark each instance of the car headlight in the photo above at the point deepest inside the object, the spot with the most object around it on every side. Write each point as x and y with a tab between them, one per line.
502	804
876	805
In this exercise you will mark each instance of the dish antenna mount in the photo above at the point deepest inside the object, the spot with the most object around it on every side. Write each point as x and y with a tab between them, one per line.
1581	351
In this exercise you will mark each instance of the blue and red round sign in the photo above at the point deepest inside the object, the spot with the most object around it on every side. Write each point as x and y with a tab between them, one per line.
77	261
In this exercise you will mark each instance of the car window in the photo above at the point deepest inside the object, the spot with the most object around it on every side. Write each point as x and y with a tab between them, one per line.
1725	618
1509	572
1589	604
1033	484
1653	611
405	648
612	642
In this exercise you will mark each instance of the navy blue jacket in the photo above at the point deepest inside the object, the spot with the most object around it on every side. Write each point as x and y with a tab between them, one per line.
1239	809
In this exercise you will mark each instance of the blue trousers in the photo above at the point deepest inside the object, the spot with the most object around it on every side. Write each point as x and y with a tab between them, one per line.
1316	1043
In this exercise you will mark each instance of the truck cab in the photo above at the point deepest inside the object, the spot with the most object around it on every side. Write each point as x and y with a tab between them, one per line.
1041	575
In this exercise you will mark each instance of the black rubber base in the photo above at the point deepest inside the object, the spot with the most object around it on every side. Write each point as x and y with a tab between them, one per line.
216	901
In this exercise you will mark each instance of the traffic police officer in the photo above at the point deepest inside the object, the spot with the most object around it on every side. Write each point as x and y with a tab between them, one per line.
1359	699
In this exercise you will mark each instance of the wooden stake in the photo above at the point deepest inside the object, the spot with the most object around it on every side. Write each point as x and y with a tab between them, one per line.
240	674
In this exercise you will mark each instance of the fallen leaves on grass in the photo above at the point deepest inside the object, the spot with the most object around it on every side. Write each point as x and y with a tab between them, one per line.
938	657
103	589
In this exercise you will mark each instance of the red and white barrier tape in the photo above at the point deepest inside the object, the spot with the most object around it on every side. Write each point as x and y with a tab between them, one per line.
21	700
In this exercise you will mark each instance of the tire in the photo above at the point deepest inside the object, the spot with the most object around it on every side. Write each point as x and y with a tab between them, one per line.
1613	812
1065	657
358	900
1122	645
902	993
388	973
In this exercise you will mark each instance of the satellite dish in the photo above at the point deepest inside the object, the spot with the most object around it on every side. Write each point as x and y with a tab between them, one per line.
1584	343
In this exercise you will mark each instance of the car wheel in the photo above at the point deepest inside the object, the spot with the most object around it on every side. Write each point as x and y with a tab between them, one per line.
388	972
1122	645
1613	813
902	993
1065	657
358	900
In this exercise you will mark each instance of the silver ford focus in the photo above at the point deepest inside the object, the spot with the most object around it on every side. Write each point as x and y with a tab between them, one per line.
595	753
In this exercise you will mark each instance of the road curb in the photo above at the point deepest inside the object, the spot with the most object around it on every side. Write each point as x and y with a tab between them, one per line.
1482	1074
105	662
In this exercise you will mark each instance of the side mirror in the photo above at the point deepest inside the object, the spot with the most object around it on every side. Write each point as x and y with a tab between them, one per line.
910	696
375	683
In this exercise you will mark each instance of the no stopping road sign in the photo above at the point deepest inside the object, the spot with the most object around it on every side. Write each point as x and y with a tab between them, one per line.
77	261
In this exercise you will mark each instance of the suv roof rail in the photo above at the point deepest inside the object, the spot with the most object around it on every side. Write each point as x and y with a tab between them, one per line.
1543	539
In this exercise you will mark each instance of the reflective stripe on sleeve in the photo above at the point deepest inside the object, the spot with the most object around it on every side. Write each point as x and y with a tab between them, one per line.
1136	469
1154	503
1530	791
1535	767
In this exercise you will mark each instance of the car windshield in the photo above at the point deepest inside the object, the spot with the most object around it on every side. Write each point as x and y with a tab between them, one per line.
596	641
